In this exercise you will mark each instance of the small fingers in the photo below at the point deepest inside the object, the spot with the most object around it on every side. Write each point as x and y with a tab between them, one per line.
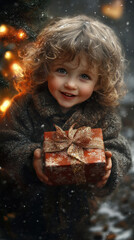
38	169
37	160
109	164
38	166
108	167
101	184
107	175
108	154
43	178
37	153
108	160
104	179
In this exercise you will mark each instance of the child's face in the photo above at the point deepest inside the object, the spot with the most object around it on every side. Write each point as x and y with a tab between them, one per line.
71	83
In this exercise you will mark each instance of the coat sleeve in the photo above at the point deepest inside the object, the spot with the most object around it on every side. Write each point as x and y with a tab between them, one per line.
121	154
16	145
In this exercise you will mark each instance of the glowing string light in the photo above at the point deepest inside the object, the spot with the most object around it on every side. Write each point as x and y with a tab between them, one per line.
3	29
8	55
21	34
5	105
17	70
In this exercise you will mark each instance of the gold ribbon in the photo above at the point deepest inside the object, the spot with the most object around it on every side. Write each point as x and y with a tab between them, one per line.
75	141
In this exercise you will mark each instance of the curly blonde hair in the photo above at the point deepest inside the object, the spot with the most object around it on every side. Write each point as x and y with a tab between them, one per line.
63	39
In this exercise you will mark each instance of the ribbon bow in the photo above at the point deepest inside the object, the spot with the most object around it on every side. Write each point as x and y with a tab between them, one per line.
74	141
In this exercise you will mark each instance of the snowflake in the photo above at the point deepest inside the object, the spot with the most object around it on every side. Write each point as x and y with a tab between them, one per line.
51	162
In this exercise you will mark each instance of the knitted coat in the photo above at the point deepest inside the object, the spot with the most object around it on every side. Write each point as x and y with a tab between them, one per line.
21	132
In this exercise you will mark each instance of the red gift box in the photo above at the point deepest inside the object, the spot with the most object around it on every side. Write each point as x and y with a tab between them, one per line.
63	168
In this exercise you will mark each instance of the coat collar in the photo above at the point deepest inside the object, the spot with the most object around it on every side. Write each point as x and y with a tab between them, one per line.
84	114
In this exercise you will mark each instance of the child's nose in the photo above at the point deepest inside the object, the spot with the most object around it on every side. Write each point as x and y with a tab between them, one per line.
70	84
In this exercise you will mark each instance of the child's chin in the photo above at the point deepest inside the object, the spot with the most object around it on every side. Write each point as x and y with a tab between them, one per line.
65	109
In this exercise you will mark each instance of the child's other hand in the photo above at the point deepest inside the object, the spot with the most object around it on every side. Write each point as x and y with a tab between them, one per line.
107	170
38	167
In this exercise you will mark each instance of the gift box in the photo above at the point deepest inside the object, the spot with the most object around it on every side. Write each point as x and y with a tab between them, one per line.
75	156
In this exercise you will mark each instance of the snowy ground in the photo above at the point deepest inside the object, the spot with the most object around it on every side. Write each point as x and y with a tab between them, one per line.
114	217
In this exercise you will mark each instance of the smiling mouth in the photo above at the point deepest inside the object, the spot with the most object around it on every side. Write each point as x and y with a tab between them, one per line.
68	94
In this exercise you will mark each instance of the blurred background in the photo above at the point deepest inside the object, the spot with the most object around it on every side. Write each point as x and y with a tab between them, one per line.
20	22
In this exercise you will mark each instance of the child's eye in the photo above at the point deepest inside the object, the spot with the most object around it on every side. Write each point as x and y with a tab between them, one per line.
85	76
61	70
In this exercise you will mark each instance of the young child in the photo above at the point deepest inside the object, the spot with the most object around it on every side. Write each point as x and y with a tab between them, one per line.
73	74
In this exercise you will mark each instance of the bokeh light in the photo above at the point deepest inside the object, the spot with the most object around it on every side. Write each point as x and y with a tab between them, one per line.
5	105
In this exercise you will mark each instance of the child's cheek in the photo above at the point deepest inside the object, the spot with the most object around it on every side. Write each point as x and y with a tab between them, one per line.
52	84
86	92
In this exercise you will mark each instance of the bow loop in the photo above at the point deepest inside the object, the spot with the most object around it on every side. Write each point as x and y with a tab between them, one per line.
59	135
73	142
71	132
82	137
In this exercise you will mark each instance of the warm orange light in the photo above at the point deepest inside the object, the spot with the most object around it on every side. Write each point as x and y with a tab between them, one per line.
113	10
5	74
21	34
8	55
5	105
3	29
17	69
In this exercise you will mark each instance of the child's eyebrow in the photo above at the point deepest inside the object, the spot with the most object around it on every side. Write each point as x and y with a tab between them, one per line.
55	65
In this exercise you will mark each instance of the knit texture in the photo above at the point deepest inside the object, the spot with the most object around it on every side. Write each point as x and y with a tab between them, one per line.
21	132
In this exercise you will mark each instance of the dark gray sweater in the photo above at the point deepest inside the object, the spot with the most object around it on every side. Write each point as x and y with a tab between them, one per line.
21	132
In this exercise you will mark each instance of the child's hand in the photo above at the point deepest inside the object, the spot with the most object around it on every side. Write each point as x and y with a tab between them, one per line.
107	170
38	166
